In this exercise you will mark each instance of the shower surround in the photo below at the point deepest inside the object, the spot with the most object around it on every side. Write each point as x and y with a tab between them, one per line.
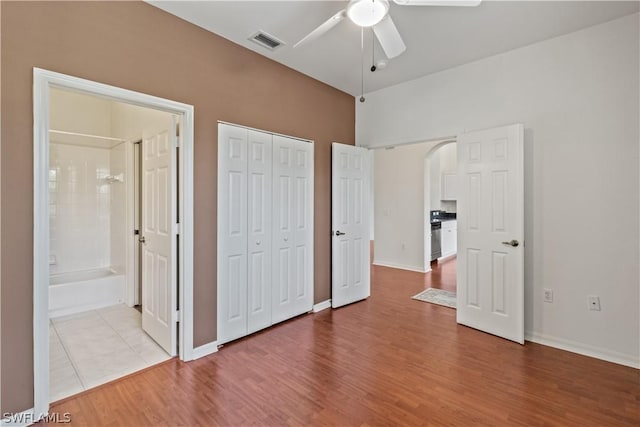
87	208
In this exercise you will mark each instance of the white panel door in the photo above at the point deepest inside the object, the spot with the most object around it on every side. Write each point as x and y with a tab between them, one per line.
490	217
292	284
159	282
284	268
303	226
350	213
259	230
232	232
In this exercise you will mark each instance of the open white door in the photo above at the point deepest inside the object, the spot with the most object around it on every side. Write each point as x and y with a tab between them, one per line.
350	213
490	208
158	237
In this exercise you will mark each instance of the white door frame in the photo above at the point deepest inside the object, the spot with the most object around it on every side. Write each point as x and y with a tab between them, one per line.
43	80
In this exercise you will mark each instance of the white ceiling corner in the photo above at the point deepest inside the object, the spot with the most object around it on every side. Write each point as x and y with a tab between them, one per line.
437	38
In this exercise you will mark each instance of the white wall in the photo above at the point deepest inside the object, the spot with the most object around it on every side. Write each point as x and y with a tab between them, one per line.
129	121
578	96
75	112
118	160
434	179
448	164
399	206
442	160
79	196
448	158
401	188
89	217
79	206
372	196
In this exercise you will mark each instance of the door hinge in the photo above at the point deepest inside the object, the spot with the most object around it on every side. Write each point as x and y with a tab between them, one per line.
176	140
176	228
176	316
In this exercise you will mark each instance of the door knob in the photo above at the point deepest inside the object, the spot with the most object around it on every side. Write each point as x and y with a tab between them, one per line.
513	243
258	242
340	233
141	239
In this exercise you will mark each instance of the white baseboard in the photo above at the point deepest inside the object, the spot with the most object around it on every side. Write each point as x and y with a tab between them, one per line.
586	350
19	419
322	306
204	350
400	266
447	257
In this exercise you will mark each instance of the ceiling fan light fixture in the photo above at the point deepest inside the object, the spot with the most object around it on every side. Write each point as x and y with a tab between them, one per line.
367	13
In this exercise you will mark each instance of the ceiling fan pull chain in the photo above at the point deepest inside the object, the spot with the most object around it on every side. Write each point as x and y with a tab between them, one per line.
362	64
373	51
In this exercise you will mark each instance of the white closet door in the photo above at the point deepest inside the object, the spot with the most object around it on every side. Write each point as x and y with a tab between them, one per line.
232	232
259	230
284	268
303	226
292	288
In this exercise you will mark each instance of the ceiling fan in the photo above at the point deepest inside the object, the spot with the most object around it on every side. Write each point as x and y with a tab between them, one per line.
375	13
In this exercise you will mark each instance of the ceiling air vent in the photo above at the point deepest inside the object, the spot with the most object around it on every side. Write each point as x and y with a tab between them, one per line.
266	40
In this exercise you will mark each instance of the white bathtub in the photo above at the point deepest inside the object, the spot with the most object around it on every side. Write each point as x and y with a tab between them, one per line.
79	291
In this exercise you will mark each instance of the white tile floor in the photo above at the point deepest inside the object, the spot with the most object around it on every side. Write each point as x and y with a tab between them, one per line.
92	348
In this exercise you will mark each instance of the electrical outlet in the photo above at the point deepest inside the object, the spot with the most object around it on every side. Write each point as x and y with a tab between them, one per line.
548	295
594	302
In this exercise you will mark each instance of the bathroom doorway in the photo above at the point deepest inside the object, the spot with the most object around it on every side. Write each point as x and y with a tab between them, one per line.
113	219
97	234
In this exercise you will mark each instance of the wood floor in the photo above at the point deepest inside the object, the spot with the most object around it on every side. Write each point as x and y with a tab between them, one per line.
386	361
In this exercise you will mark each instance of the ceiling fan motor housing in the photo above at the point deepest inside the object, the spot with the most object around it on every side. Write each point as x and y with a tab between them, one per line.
367	13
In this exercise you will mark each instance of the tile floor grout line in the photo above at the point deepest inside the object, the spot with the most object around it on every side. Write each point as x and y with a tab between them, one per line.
125	341
83	381
66	352
80	375
106	322
121	337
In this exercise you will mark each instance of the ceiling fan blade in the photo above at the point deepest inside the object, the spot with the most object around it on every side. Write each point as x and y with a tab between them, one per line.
389	37
323	28
438	2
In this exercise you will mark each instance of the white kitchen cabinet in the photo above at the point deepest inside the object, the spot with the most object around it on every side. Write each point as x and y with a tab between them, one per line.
449	186
265	230
449	238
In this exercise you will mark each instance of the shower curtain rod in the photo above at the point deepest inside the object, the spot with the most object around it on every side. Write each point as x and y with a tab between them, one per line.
63	132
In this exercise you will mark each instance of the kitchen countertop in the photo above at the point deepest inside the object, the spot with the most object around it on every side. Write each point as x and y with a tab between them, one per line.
436	220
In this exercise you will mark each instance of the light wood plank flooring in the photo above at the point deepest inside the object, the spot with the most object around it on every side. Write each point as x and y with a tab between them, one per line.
386	361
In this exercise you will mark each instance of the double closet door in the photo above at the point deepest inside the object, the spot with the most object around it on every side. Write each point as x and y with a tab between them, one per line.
265	230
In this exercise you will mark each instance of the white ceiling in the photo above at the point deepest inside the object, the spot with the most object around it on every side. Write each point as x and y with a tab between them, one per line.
437	38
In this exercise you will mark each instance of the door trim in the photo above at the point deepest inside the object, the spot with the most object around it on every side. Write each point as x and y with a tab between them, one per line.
43	80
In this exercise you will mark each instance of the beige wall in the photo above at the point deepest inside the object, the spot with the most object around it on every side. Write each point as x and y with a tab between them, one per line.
139	47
